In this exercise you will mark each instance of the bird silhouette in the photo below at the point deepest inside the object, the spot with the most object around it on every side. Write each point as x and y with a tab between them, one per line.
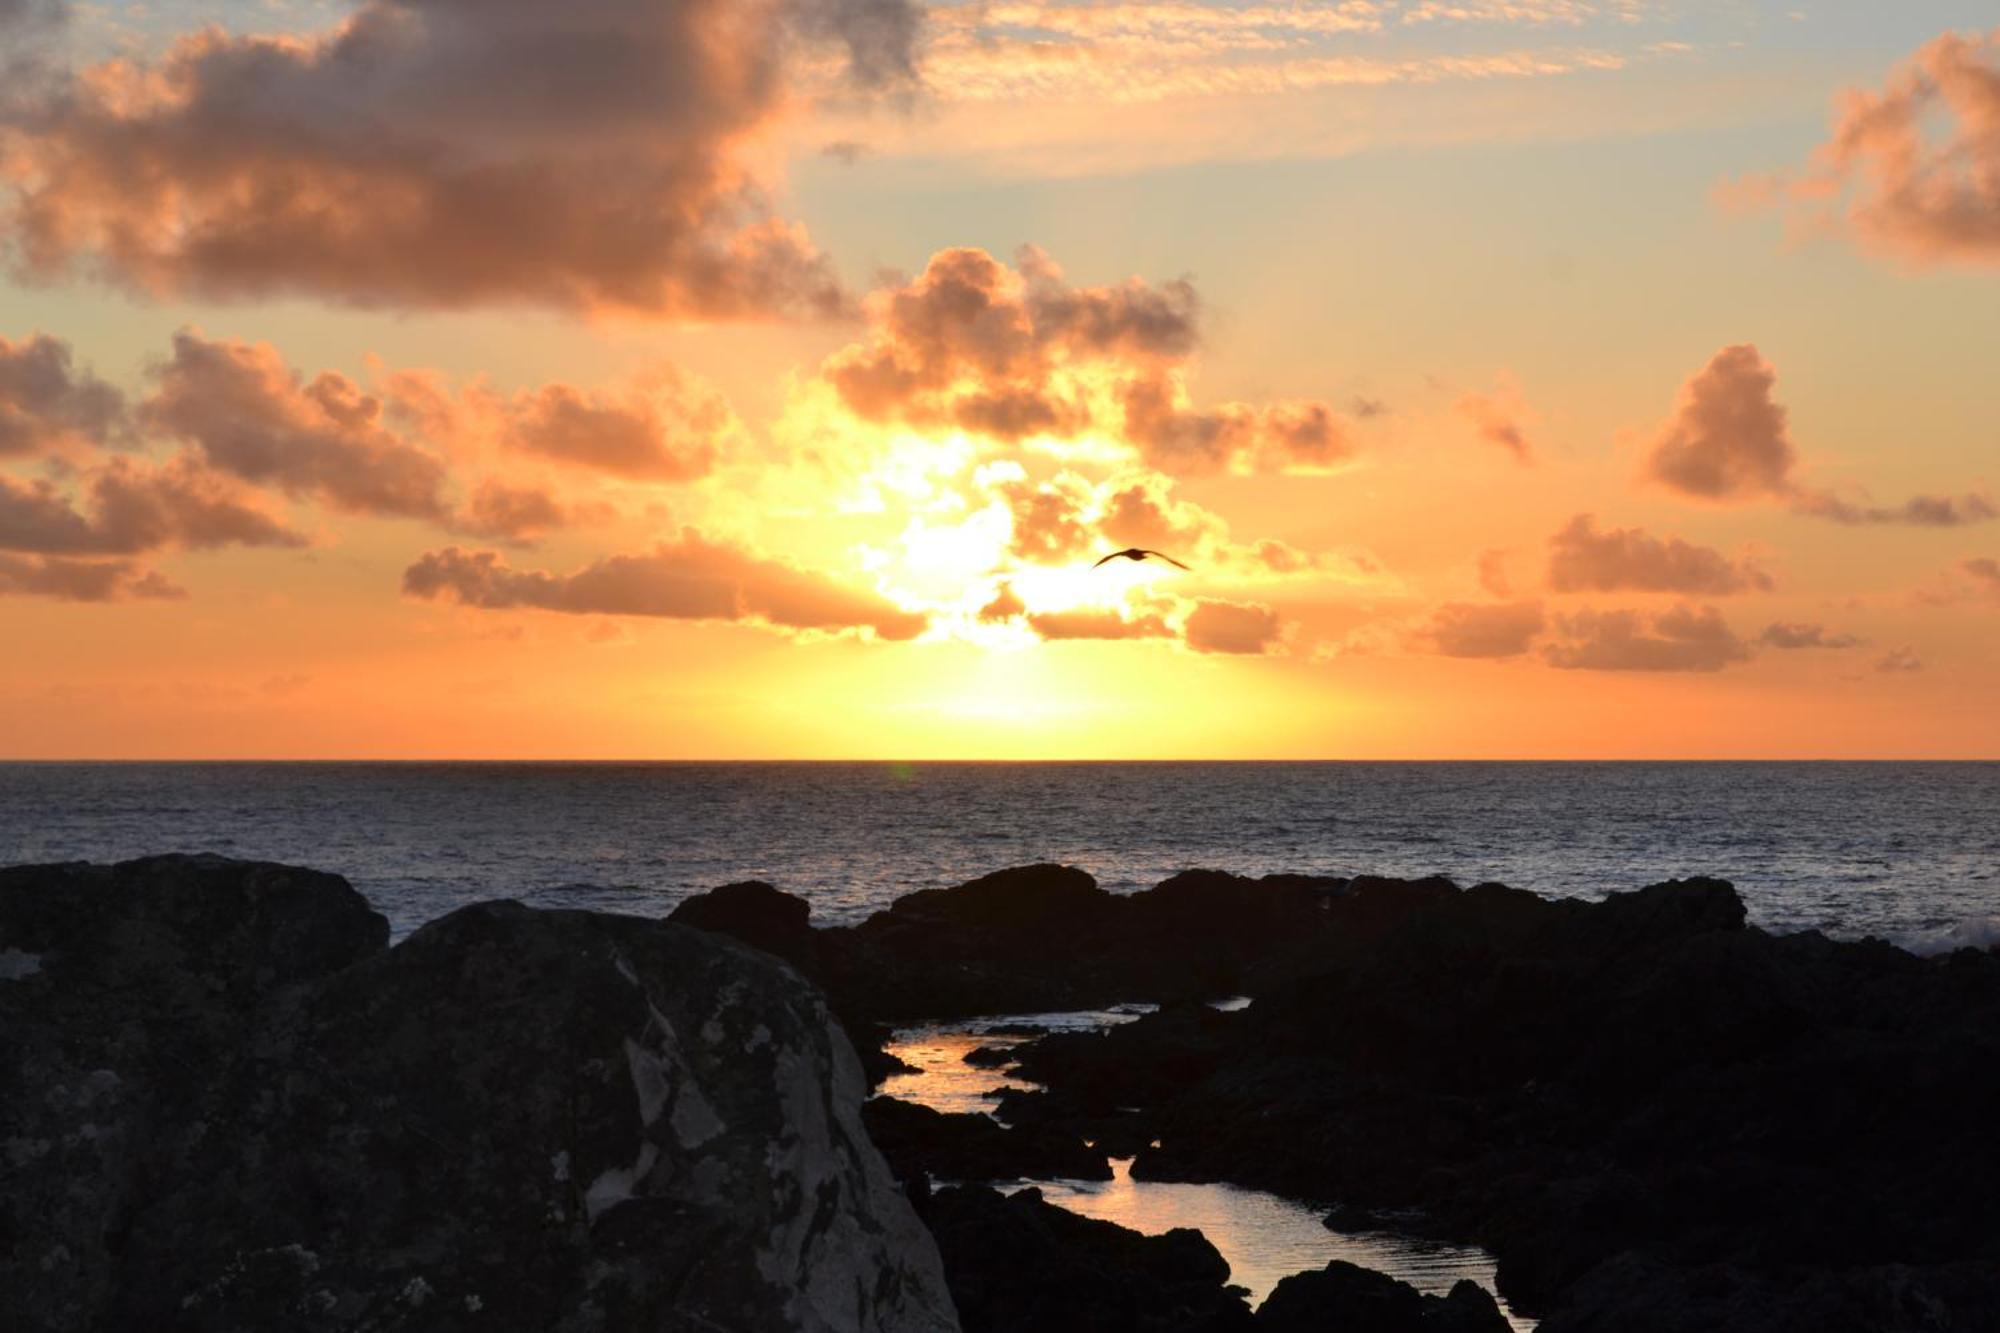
1138	553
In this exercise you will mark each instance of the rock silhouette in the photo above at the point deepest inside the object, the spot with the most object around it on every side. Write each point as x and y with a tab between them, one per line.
228	1107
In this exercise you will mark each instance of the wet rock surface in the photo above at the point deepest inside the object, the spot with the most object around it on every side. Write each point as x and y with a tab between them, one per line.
225	1105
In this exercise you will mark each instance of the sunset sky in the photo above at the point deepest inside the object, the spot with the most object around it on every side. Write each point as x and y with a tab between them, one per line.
743	379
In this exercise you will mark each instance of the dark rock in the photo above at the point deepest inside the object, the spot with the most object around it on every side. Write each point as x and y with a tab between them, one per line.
230	1109
1348	1299
757	914
1019	1264
991	1057
1637	1294
918	1141
1561	1081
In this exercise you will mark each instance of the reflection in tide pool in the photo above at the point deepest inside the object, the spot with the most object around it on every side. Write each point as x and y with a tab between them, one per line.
1262	1237
1265	1238
945	1082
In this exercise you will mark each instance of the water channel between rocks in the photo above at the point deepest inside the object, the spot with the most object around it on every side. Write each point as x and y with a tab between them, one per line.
1264	1237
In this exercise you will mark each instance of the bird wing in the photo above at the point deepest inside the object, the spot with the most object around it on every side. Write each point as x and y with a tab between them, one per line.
1169	559
1107	560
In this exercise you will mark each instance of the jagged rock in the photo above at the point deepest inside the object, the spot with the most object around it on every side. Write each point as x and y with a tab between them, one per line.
1344	1298
1019	1264
918	1141
514	1120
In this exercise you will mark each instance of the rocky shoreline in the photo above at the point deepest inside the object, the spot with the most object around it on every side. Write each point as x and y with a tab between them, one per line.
229	1105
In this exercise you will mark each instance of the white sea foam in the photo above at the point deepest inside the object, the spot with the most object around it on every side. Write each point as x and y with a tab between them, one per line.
1976	932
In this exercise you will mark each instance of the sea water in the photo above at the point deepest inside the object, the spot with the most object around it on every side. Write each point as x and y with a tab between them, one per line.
1906	851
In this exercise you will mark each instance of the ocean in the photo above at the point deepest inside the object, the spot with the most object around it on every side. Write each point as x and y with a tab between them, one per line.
1906	851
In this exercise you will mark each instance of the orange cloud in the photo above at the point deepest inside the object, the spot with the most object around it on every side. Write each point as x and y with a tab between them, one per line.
1729	442
1478	629
1791	636
520	515
251	415
1500	419
1099	625
688	579
1924	511
1913	170
428	153
1014	354
80	580
134	511
671	430
1728	438
1682	639
45	400
1230	627
1583	559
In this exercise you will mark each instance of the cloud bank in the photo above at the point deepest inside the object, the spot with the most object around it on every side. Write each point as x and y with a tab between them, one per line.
690	578
446	153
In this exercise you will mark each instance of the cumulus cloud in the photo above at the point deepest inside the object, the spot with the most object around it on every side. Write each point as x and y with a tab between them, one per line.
1584	559
1143	513
1481	629
45	400
691	578
1729	442
1180	439
1794	635
671	429
1728	438
1912	170
1231	627
135	510
1493	573
439	153
520	515
69	580
1897	661
1682	639
251	415
1049	518
1985	572
1011	354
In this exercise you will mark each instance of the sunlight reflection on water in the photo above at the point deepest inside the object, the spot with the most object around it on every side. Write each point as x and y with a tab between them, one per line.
1263	1237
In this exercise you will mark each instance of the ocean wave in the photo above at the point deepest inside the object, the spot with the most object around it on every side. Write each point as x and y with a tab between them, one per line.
1974	932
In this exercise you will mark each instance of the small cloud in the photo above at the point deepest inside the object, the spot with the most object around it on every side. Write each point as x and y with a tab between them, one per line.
1792	635
1584	559
1500	418
1898	660
1683	639
1230	627
1481	630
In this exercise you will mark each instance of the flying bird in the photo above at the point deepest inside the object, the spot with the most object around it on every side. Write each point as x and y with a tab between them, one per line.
1138	553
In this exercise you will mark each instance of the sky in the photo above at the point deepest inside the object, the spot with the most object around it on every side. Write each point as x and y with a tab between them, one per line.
1587	379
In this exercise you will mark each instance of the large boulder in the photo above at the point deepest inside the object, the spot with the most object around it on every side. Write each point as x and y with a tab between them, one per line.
235	1110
